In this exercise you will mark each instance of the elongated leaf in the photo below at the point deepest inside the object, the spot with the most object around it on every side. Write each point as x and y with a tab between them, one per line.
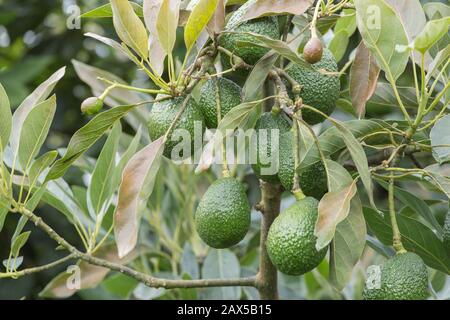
217	22
415	203
35	130
436	64
157	53
255	81
333	208
38	95
83	275
198	19
136	187
260	8
363	78
6	123
433	31
3	213
416	237
100	186
105	11
339	43
384	34
411	14
110	42
129	27
85	137
19	242
440	139
221	264
40	164
167	24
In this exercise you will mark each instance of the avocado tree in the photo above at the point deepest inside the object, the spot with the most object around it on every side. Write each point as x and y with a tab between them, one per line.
335	113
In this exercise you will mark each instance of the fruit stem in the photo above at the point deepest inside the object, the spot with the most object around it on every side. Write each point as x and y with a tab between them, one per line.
312	27
225	170
396	236
266	279
296	183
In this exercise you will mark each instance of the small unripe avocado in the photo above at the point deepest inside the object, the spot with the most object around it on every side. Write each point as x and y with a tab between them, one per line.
319	90
222	218
230	97
162	115
403	277
266	26
91	105
291	243
268	121
446	234
313	179
313	50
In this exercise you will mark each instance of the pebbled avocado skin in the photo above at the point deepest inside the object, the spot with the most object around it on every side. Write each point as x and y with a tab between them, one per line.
230	97
163	114
403	277
291	243
222	218
320	91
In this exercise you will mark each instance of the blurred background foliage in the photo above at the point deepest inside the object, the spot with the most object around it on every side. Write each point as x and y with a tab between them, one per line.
35	40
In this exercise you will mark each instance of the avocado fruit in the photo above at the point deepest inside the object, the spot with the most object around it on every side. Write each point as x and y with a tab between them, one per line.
229	97
403	277
222	218
318	90
268	121
313	179
266	26
291	243
163	113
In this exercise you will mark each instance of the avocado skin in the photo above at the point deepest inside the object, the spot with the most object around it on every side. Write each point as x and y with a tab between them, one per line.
403	277
313	179
446	233
222	218
163	113
266	26
320	91
268	121
291	243
230	97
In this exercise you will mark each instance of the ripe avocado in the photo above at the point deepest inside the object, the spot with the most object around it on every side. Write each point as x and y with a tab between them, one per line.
446	234
291	243
222	218
267	26
230	96
320	91
313	179
268	121
403	277
163	114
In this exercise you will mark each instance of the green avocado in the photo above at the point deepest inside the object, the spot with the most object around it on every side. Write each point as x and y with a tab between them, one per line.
291	243
266	26
446	234
313	179
403	277
222	218
230	97
162	115
319	90
268	121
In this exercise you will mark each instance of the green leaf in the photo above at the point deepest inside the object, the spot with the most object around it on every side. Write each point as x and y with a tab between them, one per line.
255	81
85	137
440	139
416	237
6	123
197	21
167	23
40	164
120	285
129	27
19	242
384	34
137	184
35	130
105	11
109	42
221	264
347	22
262	8
339	43
38	95
157	54
433	31
99	189
440	59
3	213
